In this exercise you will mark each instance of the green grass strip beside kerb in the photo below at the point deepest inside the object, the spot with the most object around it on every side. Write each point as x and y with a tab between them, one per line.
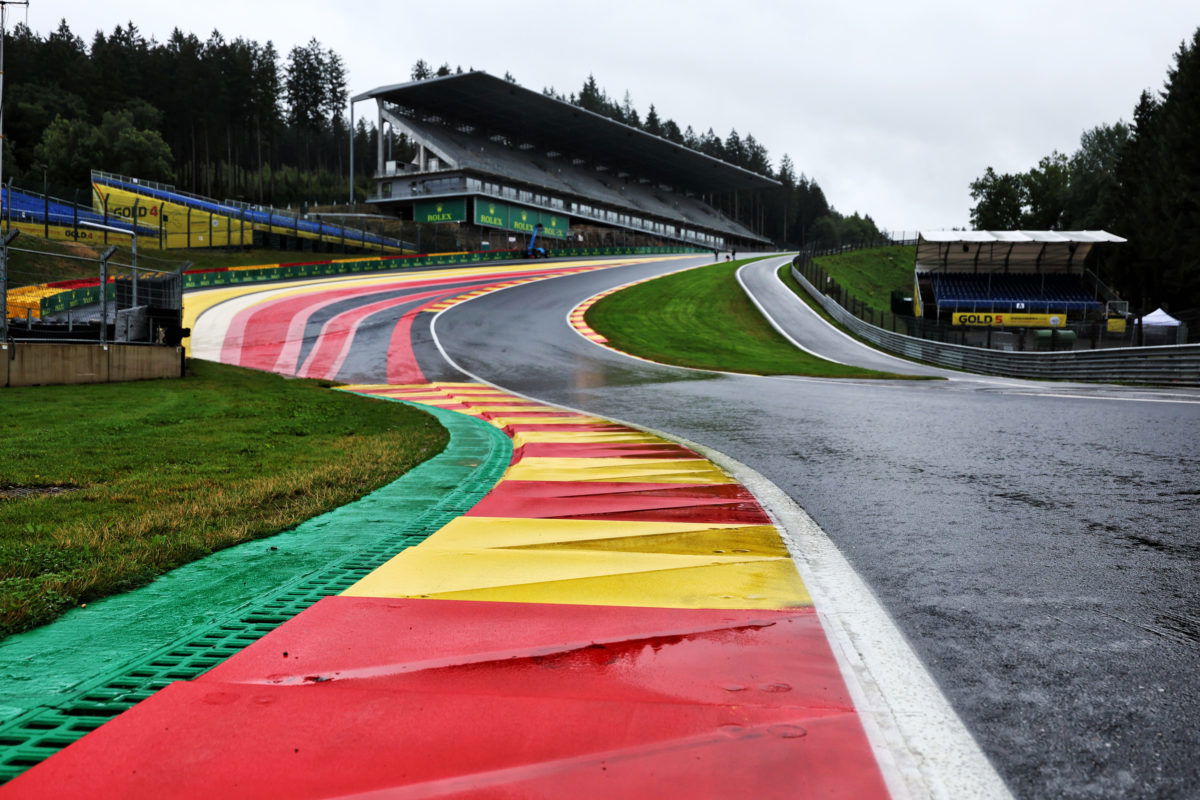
701	318
61	681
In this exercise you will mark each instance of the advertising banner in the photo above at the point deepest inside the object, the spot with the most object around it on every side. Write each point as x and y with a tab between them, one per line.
493	214
490	213
441	210
1003	319
523	220
554	225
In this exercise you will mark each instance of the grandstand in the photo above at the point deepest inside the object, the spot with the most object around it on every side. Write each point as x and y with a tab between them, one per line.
499	157
1012	278
54	218
170	218
189	220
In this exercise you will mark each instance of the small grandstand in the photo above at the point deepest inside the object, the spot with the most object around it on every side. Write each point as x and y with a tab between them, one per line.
1015	279
54	218
164	217
500	158
185	220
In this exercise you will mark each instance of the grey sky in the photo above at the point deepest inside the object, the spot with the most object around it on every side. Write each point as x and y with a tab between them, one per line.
893	107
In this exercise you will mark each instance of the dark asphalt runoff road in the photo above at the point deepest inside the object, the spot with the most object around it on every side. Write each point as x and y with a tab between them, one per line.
1037	543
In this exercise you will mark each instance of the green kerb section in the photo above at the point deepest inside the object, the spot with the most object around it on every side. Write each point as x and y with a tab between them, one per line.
59	682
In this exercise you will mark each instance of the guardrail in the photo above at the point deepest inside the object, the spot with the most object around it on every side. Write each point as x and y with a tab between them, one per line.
1170	364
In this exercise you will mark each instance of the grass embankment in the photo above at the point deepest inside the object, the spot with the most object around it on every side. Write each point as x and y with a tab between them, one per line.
872	275
701	318
54	262
172	470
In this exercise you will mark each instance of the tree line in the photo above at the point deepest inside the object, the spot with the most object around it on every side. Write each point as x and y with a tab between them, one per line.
233	119
1139	180
236	119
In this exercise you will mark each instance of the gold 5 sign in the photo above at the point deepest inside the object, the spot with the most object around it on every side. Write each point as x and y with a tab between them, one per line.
1010	320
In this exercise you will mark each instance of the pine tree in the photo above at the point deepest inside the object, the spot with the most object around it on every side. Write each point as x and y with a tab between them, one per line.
652	124
421	70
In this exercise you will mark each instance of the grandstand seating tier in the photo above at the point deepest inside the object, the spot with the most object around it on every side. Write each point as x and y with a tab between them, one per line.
26	207
480	154
1009	292
269	219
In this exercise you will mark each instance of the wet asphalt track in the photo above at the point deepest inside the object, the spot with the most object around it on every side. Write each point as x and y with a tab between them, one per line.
1037	543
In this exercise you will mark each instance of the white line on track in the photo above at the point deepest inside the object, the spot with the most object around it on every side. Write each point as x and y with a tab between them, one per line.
924	750
1107	397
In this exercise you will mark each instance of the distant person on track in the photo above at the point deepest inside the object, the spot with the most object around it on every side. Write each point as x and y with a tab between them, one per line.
733	257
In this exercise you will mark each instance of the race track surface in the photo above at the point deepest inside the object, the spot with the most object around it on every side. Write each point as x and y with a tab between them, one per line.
1037	543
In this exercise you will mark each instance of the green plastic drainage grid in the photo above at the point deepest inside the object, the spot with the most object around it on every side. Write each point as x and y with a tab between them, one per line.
52	673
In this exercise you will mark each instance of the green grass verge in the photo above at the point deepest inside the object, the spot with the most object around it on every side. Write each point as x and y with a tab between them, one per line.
872	275
172	470
701	318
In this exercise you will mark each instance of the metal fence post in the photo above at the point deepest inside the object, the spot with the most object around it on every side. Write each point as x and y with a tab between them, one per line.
134	257
4	243
104	257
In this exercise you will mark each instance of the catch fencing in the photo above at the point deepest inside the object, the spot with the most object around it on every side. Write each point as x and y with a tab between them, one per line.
115	298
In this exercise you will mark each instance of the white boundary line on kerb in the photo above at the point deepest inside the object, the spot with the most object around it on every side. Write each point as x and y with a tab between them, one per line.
922	747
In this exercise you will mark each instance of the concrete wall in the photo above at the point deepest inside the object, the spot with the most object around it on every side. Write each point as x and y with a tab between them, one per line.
54	363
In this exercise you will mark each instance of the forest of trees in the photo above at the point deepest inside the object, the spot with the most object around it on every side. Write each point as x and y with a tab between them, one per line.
236	119
226	118
1139	180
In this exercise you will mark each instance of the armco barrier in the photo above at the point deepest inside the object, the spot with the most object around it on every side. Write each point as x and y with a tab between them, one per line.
224	276
1174	364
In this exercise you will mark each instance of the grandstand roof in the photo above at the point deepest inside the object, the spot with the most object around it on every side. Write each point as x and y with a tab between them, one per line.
1007	250
1090	237
500	107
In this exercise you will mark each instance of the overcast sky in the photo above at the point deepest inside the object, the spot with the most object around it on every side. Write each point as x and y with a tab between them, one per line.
894	107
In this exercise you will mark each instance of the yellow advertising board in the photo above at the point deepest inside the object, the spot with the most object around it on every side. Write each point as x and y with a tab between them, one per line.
180	228
1116	325
1004	319
66	233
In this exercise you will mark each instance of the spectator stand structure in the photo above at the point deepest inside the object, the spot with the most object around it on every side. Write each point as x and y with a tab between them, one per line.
994	287
500	159
185	220
51	217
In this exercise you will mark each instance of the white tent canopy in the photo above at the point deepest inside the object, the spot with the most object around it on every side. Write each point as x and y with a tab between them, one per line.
1160	318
